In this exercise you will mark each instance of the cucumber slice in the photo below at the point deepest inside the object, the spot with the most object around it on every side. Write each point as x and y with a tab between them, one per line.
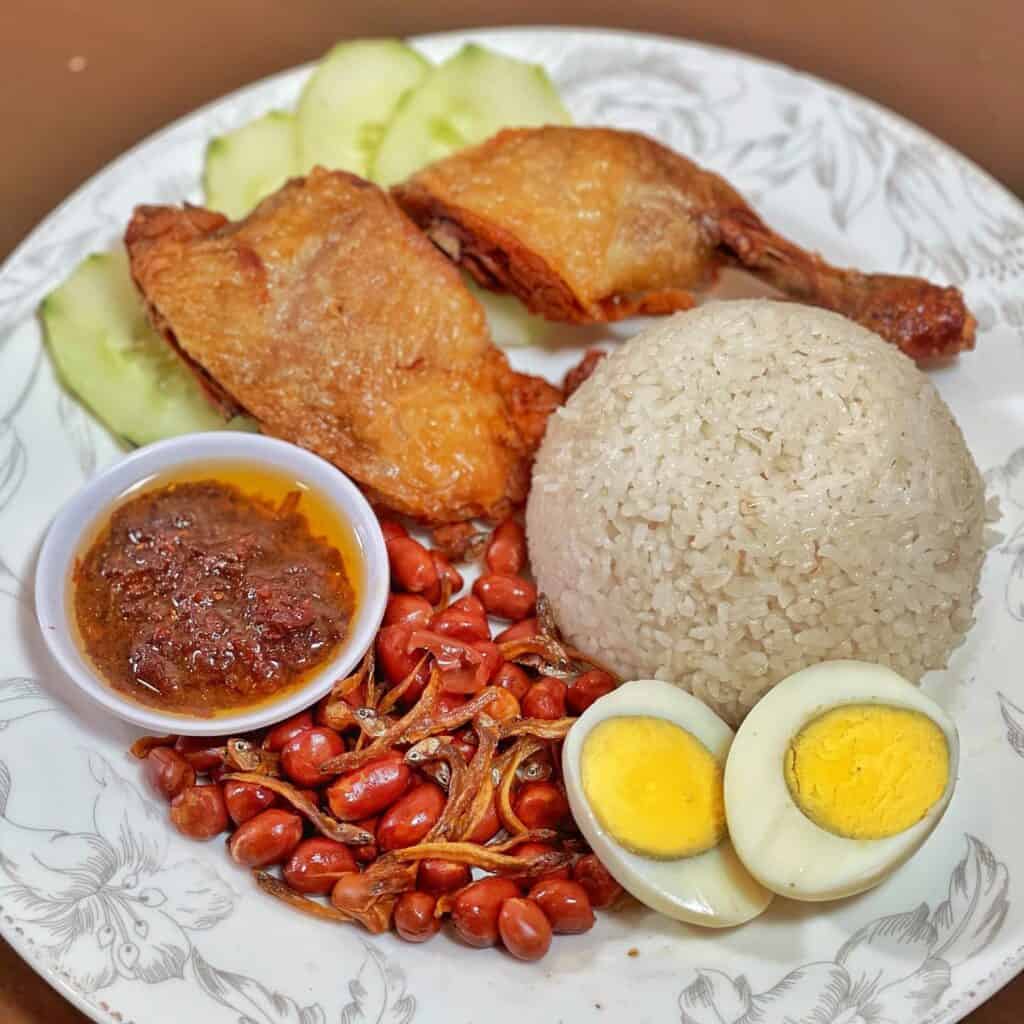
511	324
461	102
349	99
249	163
108	355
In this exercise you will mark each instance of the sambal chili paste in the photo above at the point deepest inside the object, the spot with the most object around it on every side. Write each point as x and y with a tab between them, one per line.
198	597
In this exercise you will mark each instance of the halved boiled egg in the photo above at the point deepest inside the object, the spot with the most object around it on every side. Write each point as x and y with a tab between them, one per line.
836	777
643	770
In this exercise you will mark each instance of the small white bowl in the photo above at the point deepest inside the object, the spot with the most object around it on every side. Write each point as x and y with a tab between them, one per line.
83	513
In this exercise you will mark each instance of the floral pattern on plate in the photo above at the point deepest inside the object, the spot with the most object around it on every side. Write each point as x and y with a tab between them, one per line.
868	981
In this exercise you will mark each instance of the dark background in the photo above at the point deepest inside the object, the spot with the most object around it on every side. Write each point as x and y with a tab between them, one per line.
81	80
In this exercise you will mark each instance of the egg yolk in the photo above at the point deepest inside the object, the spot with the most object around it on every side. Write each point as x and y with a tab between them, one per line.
867	771
653	786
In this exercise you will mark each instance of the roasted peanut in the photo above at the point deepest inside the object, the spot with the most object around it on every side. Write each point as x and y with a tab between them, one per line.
302	755
199	812
392	530
506	550
411	610
602	889
585	689
269	838
352	891
545	699
507	597
512	678
461	625
410	817
440	876
393	654
414	916
475	909
371	789
541	805
412	566
565	904
525	931
316	864
167	772
245	800
288	730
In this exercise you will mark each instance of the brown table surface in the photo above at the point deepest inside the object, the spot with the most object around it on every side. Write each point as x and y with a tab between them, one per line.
81	80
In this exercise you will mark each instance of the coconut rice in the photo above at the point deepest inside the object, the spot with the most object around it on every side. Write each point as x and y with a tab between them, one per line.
752	487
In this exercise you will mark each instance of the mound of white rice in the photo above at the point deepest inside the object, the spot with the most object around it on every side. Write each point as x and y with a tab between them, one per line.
750	488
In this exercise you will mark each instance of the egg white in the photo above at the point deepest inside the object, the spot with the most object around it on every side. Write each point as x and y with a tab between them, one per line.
712	889
780	846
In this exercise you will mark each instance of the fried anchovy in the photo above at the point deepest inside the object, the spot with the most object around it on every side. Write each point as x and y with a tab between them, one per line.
447	721
440	749
536	768
524	747
481	769
488	858
243	756
339	831
337	712
546	619
353	759
542	653
396	693
273	886
539	728
144	744
370	896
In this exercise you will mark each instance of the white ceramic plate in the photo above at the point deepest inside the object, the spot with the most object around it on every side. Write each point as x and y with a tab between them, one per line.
134	923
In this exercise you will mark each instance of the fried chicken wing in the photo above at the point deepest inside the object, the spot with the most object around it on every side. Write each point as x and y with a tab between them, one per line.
331	319
592	224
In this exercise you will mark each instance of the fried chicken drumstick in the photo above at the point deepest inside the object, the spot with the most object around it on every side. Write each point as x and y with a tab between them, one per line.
331	319
591	224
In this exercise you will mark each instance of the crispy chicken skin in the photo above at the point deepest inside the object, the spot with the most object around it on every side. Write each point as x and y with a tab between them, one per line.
592	224
331	319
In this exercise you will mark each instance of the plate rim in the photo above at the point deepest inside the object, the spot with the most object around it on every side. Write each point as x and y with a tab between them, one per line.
100	1011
